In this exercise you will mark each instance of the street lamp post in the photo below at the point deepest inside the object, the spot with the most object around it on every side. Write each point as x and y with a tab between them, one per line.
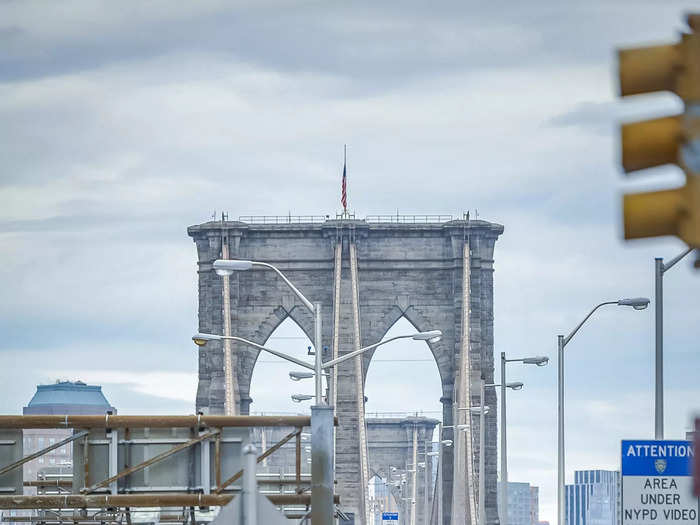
202	339
427	482
659	270
228	266
446	443
638	303
443	443
482	410
539	361
321	413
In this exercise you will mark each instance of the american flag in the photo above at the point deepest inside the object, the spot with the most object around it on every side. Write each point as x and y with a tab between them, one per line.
344	195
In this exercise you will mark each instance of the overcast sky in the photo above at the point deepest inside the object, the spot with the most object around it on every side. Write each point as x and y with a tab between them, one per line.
122	124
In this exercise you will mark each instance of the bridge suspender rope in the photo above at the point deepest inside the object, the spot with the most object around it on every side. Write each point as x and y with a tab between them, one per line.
467	368
463	497
362	429
412	504
336	318
230	383
437	497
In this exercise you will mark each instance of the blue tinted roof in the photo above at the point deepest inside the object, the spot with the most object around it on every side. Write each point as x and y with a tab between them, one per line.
69	393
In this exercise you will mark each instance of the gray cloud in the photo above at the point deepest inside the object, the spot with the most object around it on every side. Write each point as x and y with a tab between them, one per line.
120	126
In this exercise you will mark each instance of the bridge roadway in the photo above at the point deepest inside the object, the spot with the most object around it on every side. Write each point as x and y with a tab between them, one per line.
390	444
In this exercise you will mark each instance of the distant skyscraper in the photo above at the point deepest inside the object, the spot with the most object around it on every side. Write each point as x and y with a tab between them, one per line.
523	503
534	505
594	498
62	397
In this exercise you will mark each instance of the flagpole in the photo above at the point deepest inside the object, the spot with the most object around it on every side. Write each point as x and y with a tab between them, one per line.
345	161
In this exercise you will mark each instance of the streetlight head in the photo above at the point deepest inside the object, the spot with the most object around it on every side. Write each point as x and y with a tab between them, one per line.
539	360
517	385
446	442
638	303
228	266
298	376
203	339
462	427
432	336
476	411
298	398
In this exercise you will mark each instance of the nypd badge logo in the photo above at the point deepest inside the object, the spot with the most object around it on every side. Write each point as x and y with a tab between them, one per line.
660	465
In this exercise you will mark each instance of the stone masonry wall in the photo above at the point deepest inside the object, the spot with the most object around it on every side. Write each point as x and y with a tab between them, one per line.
409	270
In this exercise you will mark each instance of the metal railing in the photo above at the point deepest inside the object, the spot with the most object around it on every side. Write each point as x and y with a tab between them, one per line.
408	219
405	415
283	219
320	219
122	435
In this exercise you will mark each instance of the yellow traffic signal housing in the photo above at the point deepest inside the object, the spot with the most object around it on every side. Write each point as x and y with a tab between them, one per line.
670	212
668	140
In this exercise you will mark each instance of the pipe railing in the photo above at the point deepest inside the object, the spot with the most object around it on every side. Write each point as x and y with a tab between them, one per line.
75	501
112	421
214	424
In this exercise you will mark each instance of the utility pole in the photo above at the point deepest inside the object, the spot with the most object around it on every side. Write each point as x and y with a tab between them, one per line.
659	270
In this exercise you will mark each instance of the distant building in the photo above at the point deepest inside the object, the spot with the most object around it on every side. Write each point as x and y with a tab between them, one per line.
534	505
62	397
594	498
523	503
66	397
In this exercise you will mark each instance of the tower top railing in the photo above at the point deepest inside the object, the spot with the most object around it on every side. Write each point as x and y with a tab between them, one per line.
283	219
407	219
405	415
320	219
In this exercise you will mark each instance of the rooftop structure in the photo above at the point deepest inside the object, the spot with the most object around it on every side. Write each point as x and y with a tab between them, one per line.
67	397
60	398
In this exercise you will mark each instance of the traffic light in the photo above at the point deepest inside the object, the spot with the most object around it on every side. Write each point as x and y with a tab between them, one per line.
668	140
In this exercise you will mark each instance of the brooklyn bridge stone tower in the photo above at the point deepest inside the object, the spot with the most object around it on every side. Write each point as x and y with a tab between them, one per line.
436	272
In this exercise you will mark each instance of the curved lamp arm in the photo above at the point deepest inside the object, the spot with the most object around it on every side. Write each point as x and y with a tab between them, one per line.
573	332
228	266
271	351
432	336
201	339
334	362
670	264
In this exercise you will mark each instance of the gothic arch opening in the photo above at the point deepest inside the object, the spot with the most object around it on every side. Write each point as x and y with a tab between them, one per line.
384	495
403	377
271	387
402	382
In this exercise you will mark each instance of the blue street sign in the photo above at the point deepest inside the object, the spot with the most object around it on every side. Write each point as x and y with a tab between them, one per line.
390	516
656	458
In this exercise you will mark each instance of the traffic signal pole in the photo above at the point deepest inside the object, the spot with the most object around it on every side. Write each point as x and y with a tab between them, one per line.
659	270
